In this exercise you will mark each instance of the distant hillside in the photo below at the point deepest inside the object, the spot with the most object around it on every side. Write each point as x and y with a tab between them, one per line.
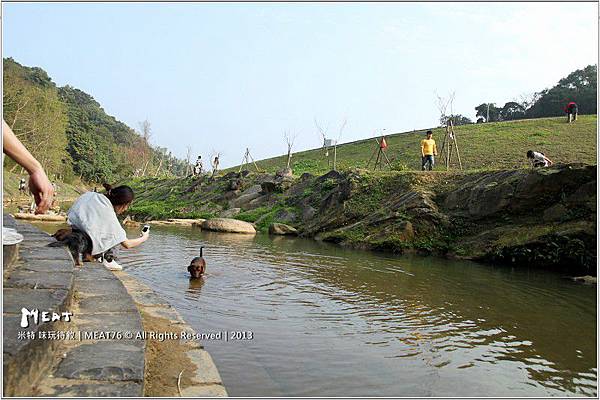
494	145
72	136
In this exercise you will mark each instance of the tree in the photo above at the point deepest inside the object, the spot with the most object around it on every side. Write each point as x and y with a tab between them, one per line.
526	100
328	142
511	111
215	157
579	86
35	113
488	111
323	134
146	134
457	119
445	106
188	160
289	140
69	132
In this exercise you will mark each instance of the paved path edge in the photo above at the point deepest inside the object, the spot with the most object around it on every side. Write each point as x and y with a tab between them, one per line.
207	381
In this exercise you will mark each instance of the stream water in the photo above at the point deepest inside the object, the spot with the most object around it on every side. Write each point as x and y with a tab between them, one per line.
321	320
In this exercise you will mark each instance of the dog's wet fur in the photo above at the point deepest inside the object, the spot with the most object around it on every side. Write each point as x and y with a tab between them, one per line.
197	266
78	242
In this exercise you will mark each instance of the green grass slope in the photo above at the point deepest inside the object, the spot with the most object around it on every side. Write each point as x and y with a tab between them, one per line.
496	145
10	183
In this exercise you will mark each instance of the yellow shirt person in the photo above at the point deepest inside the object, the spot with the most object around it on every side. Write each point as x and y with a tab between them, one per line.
428	150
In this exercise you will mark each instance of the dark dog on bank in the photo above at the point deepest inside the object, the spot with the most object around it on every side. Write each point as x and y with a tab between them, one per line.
197	266
78	242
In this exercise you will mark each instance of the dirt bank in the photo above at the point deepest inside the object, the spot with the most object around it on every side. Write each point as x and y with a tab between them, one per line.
543	217
165	360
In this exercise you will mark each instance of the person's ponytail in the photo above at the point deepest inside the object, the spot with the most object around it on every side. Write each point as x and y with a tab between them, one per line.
120	195
107	187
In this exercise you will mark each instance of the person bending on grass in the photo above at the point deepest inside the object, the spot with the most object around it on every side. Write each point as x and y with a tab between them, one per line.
428	150
571	110
96	215
538	159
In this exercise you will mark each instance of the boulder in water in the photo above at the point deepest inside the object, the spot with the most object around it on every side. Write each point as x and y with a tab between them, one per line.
282	229
588	279
40	217
228	225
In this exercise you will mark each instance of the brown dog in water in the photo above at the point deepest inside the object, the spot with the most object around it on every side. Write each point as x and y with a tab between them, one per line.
197	266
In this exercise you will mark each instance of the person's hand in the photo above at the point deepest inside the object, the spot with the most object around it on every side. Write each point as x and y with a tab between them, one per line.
145	235
42	190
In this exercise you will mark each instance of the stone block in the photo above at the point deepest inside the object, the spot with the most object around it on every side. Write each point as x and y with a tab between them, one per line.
164	312
49	266
148	298
75	388
103	361
22	278
106	303
43	299
204	391
112	287
206	371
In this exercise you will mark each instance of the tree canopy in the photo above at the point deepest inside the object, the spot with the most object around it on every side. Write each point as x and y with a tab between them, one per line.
67	130
579	86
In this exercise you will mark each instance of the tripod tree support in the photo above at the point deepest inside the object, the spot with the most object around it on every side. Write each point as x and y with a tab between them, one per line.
449	145
246	160
380	155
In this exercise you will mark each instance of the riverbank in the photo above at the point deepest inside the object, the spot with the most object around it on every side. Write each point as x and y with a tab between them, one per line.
174	367
541	218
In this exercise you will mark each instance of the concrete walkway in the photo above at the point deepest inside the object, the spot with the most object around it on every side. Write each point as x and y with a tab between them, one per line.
42	278
100	361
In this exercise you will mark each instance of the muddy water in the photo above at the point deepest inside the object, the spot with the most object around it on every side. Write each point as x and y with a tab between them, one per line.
327	321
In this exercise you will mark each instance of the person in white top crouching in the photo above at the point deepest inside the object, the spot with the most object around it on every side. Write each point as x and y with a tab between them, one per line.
96	215
538	159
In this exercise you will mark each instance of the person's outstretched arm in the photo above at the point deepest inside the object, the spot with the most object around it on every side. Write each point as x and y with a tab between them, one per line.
39	184
549	161
129	243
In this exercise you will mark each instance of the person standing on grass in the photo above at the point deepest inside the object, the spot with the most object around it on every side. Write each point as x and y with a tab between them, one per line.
428	150
571	110
198	166
215	165
22	186
538	159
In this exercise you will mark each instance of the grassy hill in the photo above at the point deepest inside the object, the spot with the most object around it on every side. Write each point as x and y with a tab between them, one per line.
66	192
495	145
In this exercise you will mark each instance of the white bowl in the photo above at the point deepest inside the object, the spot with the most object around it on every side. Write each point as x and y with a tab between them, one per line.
10	236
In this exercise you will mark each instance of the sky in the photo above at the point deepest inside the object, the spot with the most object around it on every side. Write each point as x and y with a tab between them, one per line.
227	76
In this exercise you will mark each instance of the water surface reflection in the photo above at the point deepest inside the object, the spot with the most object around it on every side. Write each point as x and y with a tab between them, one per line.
331	321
